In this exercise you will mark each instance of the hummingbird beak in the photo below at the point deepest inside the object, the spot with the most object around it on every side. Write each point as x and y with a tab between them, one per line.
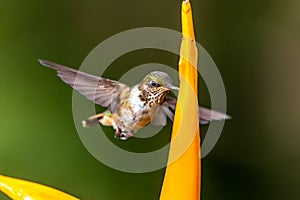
172	87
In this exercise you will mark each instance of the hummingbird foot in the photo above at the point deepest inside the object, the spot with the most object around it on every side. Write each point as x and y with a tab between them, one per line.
125	136
117	133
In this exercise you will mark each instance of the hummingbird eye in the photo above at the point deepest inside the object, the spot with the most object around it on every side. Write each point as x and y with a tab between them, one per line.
153	83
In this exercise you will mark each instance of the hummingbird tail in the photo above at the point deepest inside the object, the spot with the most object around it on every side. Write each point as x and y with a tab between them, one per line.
89	122
93	120
102	118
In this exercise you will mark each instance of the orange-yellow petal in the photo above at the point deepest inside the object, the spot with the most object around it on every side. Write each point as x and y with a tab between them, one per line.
18	189
182	178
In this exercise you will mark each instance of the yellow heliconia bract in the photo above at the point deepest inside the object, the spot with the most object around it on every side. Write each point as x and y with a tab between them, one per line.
18	189
182	178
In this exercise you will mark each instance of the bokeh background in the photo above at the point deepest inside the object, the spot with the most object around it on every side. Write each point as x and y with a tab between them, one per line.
255	44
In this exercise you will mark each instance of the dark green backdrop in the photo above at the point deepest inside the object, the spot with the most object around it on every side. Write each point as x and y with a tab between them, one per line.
255	44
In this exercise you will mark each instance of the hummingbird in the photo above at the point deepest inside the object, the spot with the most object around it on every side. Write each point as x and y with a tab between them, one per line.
128	108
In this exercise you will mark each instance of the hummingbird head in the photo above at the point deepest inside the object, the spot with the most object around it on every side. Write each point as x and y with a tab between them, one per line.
155	86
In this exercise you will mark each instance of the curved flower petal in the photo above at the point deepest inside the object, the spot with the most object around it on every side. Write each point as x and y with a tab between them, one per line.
182	178
18	189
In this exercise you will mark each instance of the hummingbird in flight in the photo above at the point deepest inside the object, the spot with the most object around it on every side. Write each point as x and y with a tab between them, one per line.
128	108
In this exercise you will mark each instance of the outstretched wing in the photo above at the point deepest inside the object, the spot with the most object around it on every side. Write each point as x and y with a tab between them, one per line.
99	90
167	109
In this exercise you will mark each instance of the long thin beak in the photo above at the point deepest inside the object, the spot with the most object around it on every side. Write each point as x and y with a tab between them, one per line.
172	87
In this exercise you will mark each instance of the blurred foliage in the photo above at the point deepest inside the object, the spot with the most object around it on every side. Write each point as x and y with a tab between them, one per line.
254	43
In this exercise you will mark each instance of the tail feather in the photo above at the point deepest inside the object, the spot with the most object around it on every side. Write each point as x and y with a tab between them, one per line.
93	120
90	122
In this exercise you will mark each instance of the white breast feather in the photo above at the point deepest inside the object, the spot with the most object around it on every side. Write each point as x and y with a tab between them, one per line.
137	104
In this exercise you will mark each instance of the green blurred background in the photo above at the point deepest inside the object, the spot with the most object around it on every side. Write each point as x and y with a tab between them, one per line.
255	44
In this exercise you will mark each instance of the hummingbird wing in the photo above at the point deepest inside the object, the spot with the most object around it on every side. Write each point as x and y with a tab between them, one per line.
206	115
167	109
101	91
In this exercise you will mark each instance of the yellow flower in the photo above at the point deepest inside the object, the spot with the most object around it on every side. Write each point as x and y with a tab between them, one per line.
18	189
182	178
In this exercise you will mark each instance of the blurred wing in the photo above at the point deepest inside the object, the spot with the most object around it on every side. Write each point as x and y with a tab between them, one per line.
167	109
207	115
99	90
